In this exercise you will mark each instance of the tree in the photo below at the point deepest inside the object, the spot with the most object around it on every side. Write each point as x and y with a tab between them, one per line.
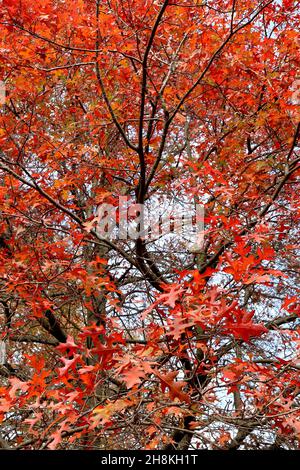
110	343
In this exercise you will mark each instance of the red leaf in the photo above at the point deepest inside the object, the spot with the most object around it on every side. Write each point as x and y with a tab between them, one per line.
175	388
17	384
69	363
70	346
133	376
244	328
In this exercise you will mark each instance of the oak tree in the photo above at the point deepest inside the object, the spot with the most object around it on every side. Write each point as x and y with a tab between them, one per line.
116	343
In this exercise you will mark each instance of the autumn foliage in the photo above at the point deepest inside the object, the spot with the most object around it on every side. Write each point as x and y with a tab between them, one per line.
136	344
